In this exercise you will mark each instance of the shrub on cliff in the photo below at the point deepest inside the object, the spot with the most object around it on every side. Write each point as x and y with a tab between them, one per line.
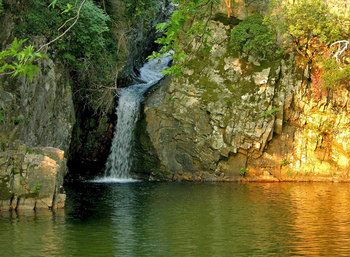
335	74
312	28
253	37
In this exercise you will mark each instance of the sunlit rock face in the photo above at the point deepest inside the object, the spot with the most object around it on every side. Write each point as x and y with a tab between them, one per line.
220	112
314	145
338	6
231	117
31	178
321	144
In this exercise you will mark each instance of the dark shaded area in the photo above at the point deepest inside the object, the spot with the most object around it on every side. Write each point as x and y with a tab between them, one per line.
146	161
221	17
91	142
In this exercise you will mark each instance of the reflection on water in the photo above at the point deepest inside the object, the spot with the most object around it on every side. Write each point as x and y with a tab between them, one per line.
201	219
22	233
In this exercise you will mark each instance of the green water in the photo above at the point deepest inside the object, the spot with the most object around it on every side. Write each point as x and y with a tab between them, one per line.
183	219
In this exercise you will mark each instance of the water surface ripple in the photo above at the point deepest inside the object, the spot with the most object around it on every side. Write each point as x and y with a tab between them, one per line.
183	219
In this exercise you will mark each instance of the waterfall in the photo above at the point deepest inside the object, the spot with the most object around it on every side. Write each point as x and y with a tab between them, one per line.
119	161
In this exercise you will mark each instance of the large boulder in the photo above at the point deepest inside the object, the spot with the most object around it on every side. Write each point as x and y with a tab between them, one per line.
32	178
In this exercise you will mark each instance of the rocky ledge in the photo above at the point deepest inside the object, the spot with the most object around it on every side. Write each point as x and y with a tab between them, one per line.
32	178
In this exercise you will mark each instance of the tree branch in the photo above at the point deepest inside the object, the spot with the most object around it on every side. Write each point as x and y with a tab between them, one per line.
7	73
76	17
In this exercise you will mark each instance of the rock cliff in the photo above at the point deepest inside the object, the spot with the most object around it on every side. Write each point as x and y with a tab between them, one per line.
36	122
231	118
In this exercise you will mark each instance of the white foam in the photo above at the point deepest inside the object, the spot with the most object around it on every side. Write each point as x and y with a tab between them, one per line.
120	159
114	180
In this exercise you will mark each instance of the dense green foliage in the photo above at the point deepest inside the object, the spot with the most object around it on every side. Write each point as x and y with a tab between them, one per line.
185	32
335	75
253	37
90	53
140	8
309	22
88	49
1	7
17	62
85	40
313	28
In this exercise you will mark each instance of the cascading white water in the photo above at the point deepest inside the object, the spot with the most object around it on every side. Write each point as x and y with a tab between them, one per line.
120	158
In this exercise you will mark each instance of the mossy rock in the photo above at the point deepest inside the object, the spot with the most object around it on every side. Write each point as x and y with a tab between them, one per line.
5	193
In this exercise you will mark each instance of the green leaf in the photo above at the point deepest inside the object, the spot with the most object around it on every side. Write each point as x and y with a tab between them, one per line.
53	4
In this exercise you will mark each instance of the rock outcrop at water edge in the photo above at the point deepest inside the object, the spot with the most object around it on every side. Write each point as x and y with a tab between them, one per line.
32	178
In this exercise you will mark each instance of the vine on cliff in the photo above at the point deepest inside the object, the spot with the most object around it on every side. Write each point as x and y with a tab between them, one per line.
16	62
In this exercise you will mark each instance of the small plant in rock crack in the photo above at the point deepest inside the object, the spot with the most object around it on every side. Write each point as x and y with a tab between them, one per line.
2	115
36	188
269	113
243	172
284	162
29	150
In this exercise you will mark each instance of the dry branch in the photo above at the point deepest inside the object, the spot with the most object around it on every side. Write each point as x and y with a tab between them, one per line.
342	46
